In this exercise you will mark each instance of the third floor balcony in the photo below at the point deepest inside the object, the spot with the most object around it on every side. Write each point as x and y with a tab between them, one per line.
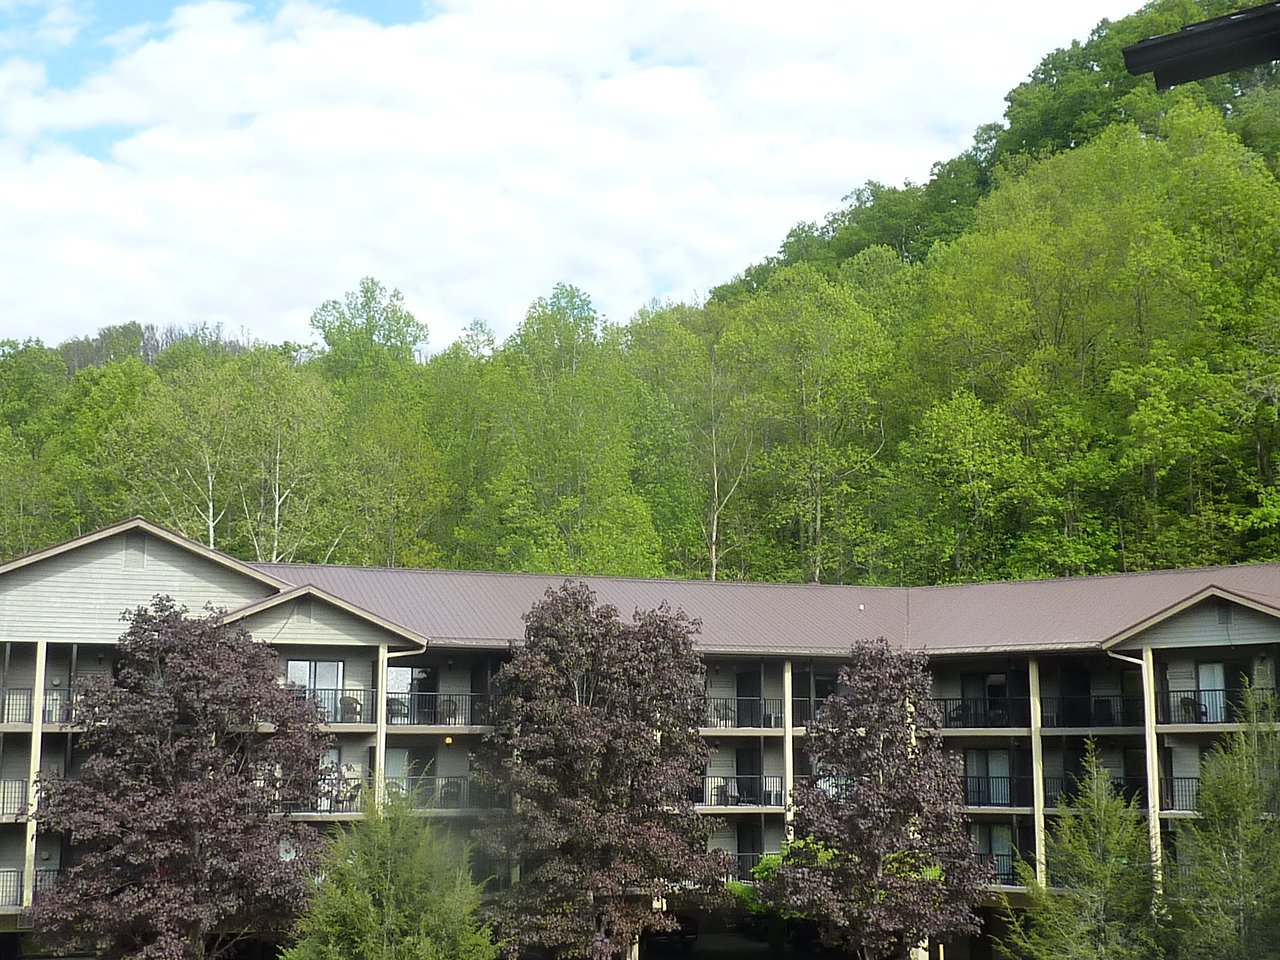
980	712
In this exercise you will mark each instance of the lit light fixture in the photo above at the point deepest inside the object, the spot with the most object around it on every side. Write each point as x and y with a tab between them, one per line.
448	741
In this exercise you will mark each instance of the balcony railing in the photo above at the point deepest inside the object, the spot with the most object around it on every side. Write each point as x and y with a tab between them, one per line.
750	790
959	712
15	705
10	887
745	863
437	709
447	793
1179	793
997	791
341	705
13	798
1059	791
1203	706
46	879
744	712
59	705
1110	710
1002	864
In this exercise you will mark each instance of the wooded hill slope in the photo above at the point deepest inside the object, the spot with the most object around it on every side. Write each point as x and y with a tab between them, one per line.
1060	356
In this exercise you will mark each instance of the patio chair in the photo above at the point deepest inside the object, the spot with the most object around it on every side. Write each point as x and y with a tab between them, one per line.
1193	711
348	710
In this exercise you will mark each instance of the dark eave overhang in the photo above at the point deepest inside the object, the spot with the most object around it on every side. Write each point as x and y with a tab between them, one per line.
1244	39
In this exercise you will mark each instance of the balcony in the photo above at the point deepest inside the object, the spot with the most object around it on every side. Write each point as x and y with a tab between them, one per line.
341	705
1179	793
1002	865
744	864
1059	791
997	791
46	879
437	709
446	793
964	712
10	887
1203	706
748	790
15	705
736	712
13	798
1092	711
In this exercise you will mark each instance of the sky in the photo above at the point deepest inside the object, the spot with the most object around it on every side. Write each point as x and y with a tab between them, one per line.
240	163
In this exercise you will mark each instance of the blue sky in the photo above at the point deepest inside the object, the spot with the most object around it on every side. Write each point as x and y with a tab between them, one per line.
238	163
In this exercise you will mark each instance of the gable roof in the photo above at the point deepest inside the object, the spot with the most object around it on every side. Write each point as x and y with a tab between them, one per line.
154	530
297	593
1073	614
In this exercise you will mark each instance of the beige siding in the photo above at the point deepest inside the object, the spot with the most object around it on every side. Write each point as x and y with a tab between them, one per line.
774	834
1184	758
452	761
311	622
1202	626
13	845
78	596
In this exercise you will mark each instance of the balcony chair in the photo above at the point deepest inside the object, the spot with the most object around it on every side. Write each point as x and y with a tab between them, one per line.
1193	711
447	711
348	710
397	710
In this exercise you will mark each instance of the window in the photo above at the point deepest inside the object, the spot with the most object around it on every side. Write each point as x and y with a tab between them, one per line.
315	674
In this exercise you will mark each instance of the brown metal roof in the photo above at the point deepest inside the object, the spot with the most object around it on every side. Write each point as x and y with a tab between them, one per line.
473	608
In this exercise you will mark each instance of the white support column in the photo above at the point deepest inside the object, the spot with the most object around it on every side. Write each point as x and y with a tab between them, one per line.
33	771
1153	762
788	750
380	743
1037	769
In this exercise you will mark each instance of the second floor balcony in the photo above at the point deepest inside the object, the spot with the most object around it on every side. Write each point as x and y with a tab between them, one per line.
1061	790
997	791
437	709
447	793
1003	865
737	712
746	790
1204	706
1112	710
988	712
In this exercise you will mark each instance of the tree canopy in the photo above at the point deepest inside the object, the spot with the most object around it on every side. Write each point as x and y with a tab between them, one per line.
182	850
596	742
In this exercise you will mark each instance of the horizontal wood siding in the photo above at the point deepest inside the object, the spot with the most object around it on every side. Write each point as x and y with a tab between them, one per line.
314	623
78	596
1202	626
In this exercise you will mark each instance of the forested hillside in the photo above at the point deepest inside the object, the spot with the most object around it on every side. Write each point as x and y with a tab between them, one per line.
1059	356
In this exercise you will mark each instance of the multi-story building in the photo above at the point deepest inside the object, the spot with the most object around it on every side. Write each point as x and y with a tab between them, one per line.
1149	665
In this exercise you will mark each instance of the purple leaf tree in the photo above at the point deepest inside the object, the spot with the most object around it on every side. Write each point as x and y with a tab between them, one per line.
179	850
882	857
596	741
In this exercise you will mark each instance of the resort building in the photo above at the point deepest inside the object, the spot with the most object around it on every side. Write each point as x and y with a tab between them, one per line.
1149	665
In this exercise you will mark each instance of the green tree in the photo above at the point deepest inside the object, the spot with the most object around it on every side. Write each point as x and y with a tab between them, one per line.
1225	887
394	886
1099	902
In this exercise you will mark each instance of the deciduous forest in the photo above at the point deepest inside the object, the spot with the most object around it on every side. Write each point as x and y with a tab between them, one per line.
1058	356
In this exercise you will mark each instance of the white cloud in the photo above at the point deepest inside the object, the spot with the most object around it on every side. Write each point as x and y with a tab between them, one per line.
268	161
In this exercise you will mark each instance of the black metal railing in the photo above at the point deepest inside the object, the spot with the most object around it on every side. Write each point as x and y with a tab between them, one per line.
749	790
1179	793
1111	710
341	705
1203	706
447	793
1059	791
46	879
59	705
438	709
745	863
15	705
959	712
997	791
13	798
1001	864
744	712
10	887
